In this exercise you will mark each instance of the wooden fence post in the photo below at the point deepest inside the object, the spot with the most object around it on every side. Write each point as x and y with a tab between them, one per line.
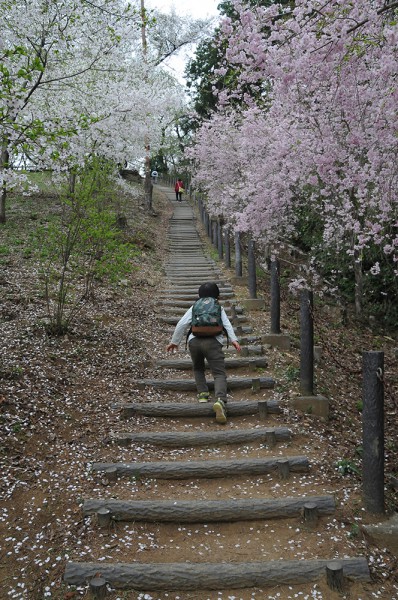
238	256
307	343
251	267
275	298
220	239
373	432
227	255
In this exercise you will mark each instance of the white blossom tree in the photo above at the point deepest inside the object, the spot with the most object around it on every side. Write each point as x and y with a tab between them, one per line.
73	82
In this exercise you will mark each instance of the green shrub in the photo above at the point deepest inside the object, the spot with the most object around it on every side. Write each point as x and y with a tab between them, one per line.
83	246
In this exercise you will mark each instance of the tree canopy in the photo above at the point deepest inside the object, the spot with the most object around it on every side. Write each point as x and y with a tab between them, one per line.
204	77
324	141
74	82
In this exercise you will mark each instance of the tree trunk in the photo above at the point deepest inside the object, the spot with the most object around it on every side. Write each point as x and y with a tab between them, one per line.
148	183
3	167
358	282
3	204
72	183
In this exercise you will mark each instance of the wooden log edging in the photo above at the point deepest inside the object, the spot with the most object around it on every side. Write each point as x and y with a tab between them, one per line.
182	277
98	587
230	363
190	290
187	439
247	350
173	320
201	468
227	304
178	409
208	511
188	385
191	296
178	308
210	576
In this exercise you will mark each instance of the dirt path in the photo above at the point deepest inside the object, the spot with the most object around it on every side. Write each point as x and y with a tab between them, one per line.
198	510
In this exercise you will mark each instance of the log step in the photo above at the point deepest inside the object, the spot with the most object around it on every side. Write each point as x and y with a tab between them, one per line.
176	309
172	320
187	303
210	576
187	292
177	409
192	280
188	278
182	293
176	261
190	296
230	363
208	511
200	266
240	330
209	469
201	262
190	275
188	385
188	439
249	350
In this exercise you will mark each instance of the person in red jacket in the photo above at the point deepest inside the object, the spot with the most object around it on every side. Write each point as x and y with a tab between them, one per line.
179	188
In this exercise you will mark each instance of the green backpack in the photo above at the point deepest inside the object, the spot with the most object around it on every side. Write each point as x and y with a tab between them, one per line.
206	318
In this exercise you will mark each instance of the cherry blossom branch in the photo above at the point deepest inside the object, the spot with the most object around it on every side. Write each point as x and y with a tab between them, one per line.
379	12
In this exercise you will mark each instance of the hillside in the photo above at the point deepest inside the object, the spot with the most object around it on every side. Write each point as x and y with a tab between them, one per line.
57	397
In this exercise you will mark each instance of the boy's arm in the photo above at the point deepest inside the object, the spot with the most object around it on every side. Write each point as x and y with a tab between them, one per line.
179	330
230	330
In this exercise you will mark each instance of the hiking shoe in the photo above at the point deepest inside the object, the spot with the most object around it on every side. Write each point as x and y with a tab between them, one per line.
219	409
203	397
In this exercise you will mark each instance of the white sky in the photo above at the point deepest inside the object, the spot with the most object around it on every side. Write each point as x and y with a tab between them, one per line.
197	9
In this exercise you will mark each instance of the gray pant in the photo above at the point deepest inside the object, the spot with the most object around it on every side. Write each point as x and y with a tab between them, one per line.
210	349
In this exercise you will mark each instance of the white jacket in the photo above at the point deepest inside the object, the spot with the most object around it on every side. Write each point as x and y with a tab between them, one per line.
184	324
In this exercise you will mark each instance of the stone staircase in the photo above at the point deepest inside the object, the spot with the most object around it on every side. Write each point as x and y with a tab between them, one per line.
259	454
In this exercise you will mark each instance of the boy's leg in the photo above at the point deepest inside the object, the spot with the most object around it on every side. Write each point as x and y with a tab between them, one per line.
216	359
198	364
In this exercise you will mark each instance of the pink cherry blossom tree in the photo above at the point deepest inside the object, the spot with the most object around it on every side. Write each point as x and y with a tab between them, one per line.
317	132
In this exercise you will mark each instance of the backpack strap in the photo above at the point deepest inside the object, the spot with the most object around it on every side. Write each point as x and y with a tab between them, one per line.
186	339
